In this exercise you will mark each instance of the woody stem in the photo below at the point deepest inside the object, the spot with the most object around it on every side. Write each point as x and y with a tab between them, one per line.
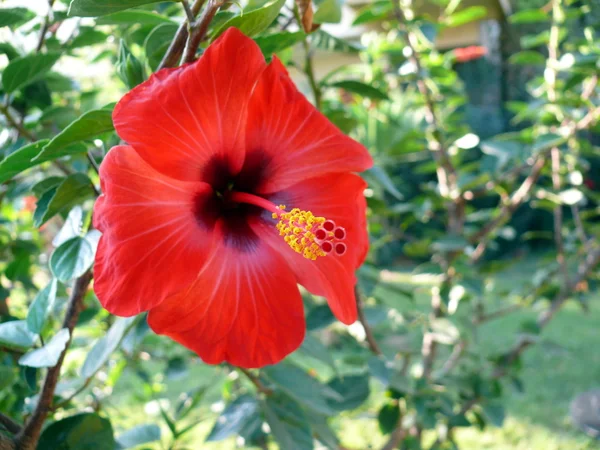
251	199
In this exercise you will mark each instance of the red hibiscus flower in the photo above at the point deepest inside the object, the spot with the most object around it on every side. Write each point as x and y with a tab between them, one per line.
192	213
471	53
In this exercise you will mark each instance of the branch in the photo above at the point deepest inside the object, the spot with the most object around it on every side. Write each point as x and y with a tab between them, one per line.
373	346
517	199
173	54
45	27
199	28
558	217
29	435
260	387
24	132
9	424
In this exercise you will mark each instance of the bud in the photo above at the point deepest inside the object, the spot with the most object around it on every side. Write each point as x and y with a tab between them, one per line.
129	68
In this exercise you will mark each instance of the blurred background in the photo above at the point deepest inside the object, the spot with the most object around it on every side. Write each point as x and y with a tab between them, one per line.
479	313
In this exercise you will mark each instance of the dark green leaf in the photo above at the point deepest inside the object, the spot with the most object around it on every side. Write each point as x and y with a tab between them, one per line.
105	346
465	16
329	11
234	418
27	69
135	16
87	431
254	22
88	126
74	190
71	227
141	434
16	334
93	8
157	42
277	42
14	16
353	390
357	87
41	306
88	36
319	317
72	258
287	422
312	347
388	417
529	16
300	386
48	355
494	412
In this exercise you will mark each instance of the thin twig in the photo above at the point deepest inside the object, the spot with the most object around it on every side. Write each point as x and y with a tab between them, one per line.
29	435
558	217
173	54
371	342
256	381
199	28
93	162
497	314
24	132
45	27
189	14
453	359
9	424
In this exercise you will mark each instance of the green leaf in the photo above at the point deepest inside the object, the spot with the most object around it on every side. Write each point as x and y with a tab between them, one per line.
527	57
16	334
465	16
529	16
87	126
449	243
253	22
27	69
141	434
329	11
94	8
88	36
323	432
387	417
373	13
319	317
547	141
87	431
135	16
382	178
353	390
313	347
105	346
157	42
75	189
494	412
288	423
14	16
234	418
357	87
300	386
48	355
71	227
325	41
72	258
277	42
41	306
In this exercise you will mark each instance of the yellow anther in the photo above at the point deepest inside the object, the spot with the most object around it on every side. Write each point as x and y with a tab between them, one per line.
298	229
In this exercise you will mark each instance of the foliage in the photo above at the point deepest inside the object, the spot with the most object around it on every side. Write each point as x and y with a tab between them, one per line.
441	201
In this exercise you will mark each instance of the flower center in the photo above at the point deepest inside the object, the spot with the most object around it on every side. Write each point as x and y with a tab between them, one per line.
305	233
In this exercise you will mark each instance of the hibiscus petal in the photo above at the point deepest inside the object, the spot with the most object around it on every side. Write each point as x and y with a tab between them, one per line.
152	245
340	198
301	142
180	118
245	308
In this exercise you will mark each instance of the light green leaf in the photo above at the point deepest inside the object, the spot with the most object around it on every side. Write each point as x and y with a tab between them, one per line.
325	41
16	334
277	42
373	13
527	57
41	306
135	16
14	16
27	69
465	16
72	258
94	8
253	22
529	16
48	355
74	190
88	126
313	348
141	434
329	11
105	346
